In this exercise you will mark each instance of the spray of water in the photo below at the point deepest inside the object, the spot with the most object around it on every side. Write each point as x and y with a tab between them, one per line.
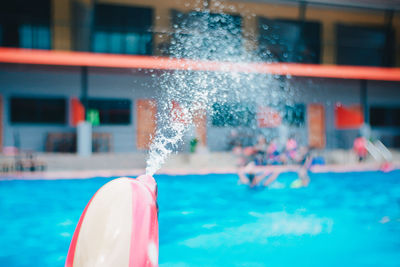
205	36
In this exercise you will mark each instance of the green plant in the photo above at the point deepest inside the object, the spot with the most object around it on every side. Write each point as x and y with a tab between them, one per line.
193	145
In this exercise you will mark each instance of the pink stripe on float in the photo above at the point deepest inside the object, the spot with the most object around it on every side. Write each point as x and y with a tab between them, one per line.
131	247
71	251
138	244
143	251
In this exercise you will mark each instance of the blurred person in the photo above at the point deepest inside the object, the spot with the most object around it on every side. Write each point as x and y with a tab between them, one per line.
233	139
360	147
238	152
291	149
306	162
260	150
271	180
251	175
273	155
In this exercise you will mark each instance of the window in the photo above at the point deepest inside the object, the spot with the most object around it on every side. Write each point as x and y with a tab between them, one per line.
366	46
122	30
34	36
385	116
38	110
232	115
111	111
294	115
25	24
206	35
289	40
238	114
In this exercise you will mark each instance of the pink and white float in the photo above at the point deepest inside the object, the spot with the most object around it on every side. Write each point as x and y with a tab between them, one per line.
119	226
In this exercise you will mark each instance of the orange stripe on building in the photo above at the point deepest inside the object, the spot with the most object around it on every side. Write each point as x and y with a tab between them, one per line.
67	58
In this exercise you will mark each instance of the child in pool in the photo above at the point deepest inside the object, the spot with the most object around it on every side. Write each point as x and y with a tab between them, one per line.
303	177
251	175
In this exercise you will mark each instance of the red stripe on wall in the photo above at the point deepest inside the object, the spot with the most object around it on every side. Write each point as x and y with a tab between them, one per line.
66	58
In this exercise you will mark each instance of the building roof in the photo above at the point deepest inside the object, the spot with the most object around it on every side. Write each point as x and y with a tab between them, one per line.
80	59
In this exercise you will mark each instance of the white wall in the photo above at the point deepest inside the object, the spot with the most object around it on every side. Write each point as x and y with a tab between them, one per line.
41	81
22	80
328	92
126	84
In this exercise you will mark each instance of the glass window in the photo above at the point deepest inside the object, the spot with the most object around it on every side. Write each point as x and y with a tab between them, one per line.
365	46
100	42
232	114
34	36
294	115
289	40
385	116
238	114
116	42
38	110
26	24
214	36
123	30
42	40
1	35
111	111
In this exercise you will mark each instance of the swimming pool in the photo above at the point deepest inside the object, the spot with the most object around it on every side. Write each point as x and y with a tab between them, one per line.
208	220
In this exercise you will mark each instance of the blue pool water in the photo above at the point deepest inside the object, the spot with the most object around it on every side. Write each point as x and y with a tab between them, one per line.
209	220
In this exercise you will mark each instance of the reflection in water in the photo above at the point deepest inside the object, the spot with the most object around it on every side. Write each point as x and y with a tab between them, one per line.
267	225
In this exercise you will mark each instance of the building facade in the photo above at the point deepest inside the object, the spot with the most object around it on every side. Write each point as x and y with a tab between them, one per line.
307	33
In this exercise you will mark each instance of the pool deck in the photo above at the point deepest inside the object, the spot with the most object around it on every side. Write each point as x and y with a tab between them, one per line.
70	166
86	174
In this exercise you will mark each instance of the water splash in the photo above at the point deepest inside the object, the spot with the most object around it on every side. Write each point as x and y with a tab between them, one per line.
207	36
267	226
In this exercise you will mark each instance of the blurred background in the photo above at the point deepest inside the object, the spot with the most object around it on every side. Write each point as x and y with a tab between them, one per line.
42	102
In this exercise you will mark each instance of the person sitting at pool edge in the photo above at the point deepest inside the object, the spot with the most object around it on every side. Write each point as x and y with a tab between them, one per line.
273	155
256	157
291	149
260	151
